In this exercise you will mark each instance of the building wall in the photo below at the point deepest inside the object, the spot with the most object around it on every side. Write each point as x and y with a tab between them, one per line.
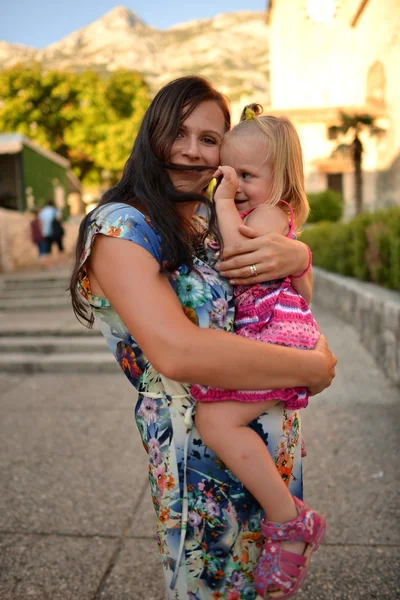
17	251
332	65
8	187
42	175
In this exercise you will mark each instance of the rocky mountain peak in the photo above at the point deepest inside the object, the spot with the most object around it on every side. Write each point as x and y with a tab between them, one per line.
121	17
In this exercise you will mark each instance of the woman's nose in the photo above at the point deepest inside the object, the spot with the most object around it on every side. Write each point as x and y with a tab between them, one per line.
191	149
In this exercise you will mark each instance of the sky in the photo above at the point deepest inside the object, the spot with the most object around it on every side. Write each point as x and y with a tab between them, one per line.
38	23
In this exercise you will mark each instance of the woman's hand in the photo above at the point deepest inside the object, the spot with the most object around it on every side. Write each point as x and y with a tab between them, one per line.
327	368
274	256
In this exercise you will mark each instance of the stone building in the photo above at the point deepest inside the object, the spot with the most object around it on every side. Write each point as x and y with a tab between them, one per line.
327	56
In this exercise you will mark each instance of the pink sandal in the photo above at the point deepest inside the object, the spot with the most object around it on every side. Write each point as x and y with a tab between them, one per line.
283	569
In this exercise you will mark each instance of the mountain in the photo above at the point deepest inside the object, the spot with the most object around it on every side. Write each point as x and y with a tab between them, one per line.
230	49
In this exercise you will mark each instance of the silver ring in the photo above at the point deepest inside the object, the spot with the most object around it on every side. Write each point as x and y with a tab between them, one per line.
253	271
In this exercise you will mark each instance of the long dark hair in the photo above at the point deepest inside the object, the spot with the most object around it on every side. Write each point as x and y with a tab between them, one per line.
145	182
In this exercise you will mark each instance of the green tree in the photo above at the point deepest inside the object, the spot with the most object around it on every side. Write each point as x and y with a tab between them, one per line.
353	125
90	118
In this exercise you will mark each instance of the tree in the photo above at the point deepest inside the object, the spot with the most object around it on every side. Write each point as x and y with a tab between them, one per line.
89	118
353	125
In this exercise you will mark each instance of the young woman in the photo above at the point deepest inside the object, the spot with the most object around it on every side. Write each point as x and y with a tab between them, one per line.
146	263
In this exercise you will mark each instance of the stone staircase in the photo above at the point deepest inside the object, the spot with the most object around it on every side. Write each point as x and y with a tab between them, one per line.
39	332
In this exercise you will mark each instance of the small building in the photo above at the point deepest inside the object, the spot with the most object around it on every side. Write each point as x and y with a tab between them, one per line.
31	175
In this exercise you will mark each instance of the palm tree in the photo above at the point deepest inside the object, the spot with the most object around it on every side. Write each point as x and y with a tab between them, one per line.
354	124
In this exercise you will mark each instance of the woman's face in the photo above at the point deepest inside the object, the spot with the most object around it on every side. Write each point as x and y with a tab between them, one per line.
198	143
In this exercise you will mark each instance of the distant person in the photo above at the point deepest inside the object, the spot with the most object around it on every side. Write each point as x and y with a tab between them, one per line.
53	231
37	234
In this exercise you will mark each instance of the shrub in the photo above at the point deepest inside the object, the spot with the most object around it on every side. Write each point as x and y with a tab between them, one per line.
325	206
367	248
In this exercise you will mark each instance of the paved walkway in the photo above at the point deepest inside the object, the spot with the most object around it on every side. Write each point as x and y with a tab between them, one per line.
76	522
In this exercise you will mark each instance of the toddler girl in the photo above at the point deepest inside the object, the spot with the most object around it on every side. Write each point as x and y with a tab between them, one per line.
262	184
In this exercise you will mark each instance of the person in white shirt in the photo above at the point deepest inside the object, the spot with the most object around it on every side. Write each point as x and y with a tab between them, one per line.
50	218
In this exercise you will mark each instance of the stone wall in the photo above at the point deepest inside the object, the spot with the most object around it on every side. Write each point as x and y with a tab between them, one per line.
373	311
17	251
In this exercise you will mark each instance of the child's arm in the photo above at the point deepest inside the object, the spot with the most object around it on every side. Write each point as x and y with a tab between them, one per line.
273	218
227	213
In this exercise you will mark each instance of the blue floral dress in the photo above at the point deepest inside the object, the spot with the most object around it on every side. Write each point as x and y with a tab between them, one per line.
208	525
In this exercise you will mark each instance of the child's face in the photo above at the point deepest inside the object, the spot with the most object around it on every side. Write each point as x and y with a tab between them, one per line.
247	155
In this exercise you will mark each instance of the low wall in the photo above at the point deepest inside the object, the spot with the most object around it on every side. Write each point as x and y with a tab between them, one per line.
373	311
17	251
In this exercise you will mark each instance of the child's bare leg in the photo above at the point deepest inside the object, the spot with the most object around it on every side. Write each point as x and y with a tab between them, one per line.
223	427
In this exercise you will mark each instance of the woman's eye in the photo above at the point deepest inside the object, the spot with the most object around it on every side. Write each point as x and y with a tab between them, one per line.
209	140
179	135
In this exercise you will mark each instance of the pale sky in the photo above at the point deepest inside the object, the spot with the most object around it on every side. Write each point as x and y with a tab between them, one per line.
38	23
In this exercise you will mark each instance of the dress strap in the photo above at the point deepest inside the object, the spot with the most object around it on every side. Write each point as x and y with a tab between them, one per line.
162	395
291	222
244	214
189	423
185	502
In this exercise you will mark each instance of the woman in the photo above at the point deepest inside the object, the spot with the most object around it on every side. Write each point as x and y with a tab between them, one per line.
166	314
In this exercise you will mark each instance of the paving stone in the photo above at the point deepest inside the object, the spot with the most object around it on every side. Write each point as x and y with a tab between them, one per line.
351	434
353	573
72	463
137	574
52	568
67	391
69	471
8	383
144	521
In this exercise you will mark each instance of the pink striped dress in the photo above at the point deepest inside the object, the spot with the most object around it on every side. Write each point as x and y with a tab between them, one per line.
270	312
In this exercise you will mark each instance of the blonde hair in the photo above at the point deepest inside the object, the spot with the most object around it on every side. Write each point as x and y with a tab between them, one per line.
285	156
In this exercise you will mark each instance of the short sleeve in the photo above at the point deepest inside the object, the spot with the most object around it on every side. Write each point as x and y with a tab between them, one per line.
118	221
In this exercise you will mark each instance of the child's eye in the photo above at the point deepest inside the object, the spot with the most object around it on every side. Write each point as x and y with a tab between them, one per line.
246	176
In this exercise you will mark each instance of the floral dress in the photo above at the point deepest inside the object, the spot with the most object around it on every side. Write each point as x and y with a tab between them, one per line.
208	524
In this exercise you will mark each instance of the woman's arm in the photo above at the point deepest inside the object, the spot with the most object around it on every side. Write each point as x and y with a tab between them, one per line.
144	299
275	255
303	285
270	219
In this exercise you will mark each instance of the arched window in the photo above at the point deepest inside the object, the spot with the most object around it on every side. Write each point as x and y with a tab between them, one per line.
376	85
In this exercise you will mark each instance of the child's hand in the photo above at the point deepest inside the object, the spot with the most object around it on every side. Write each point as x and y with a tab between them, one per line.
228	185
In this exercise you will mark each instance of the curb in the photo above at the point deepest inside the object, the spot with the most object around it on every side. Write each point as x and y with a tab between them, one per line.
374	312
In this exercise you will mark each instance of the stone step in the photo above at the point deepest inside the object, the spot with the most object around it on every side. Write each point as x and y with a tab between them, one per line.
37	331
35	304
36	284
53	344
96	362
30	293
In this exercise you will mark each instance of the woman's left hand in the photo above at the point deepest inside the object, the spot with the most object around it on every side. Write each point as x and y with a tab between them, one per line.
273	255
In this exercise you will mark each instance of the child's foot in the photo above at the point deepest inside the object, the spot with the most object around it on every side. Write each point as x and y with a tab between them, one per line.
285	559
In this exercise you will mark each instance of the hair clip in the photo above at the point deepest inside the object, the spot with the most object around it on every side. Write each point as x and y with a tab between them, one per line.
249	114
